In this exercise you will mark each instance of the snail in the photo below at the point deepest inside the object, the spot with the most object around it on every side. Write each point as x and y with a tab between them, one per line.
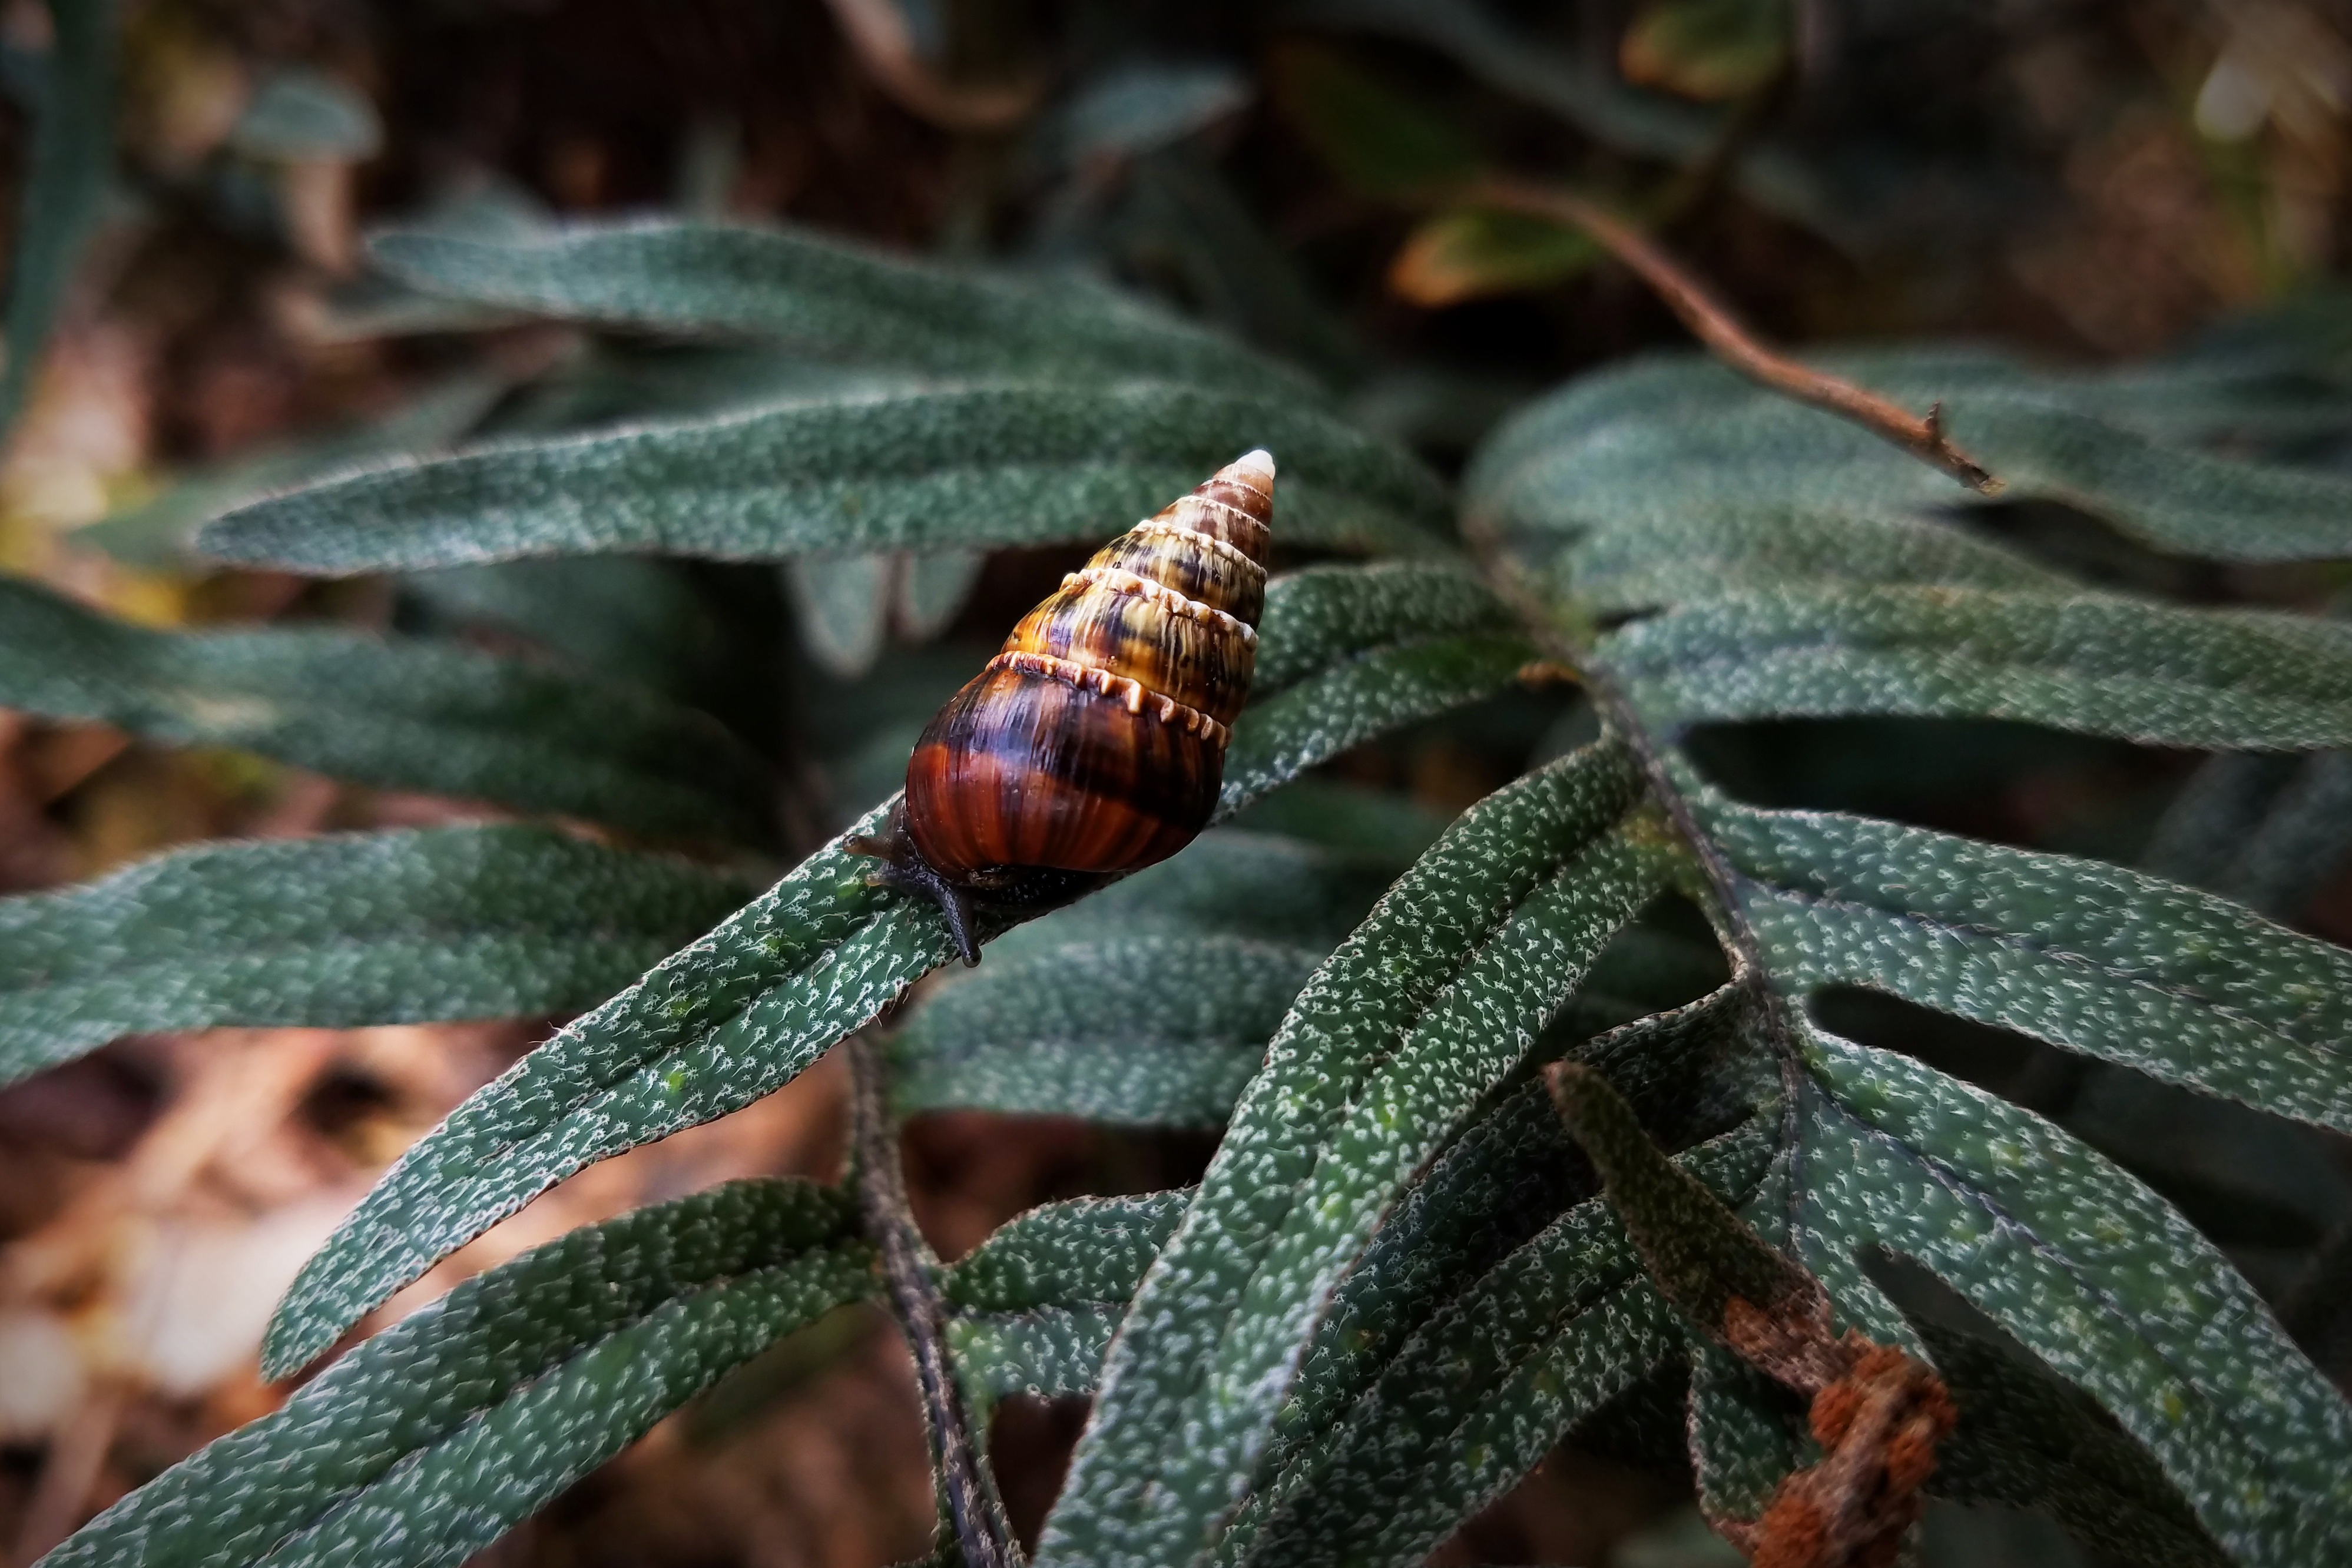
1094	742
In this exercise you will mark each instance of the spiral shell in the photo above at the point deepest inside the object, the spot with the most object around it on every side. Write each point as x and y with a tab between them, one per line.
1094	742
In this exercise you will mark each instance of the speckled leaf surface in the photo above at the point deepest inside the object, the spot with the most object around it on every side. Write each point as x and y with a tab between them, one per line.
1421	1012
2098	663
2178	984
924	469
400	715
2026	1439
820	294
1746	1434
723	1022
441	1433
2094	1274
403	927
1347	652
730	1018
1146	1031
1480	1393
1035	1304
1674	433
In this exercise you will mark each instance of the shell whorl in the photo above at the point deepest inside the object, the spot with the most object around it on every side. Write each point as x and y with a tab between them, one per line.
1095	739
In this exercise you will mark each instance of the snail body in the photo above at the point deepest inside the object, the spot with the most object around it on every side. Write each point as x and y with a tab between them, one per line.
1094	742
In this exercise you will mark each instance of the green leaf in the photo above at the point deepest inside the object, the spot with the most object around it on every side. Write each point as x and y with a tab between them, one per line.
965	467
823	295
396	715
1346	652
65	186
432	1438
842	606
731	1018
1707	48
1086	1250
1473	253
1746	1434
1036	1302
1605	449
933	589
2094	1275
1431	1003
333	933
2028	1440
2269	832
1483	1389
1157	1031
2179	985
1378	139
717	1025
2095	663
297	116
1618	567
162	531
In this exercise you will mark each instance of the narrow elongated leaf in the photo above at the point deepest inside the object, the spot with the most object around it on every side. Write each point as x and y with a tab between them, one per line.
2094	1275
843	606
732	1017
1035	1304
2028	1440
821	294
962	467
1084	1249
725	1021
434	1438
2180	985
400	715
1424	1008
1350	652
65	186
1621	566
1144	1031
1746	1433
1554	1331
1604	449
332	933
2269	832
2099	665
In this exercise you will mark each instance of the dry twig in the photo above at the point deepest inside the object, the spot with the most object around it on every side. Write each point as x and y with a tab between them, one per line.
1731	340
889	1224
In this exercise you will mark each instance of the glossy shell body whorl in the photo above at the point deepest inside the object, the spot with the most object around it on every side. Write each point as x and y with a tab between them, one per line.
1094	742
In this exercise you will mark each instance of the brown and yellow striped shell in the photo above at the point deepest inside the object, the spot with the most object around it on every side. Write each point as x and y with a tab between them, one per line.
1094	741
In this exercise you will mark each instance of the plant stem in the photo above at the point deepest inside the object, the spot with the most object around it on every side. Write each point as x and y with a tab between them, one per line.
974	1507
1732	341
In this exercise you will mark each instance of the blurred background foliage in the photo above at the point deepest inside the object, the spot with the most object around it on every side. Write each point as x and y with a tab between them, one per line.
2080	180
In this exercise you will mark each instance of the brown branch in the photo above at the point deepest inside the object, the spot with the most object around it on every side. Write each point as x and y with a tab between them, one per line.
974	1507
1720	331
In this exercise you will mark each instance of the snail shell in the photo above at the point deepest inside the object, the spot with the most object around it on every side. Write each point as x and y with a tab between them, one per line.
1094	741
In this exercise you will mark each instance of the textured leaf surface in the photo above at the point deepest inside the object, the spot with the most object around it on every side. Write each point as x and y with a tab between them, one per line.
2100	664
719	1024
922	470
403	716
2028	1440
65	184
2094	1275
332	933
1424	1009
1671	435
1480	1393
1143	1031
1035	1304
435	1436
820	294
730	1018
1346	652
2180	985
